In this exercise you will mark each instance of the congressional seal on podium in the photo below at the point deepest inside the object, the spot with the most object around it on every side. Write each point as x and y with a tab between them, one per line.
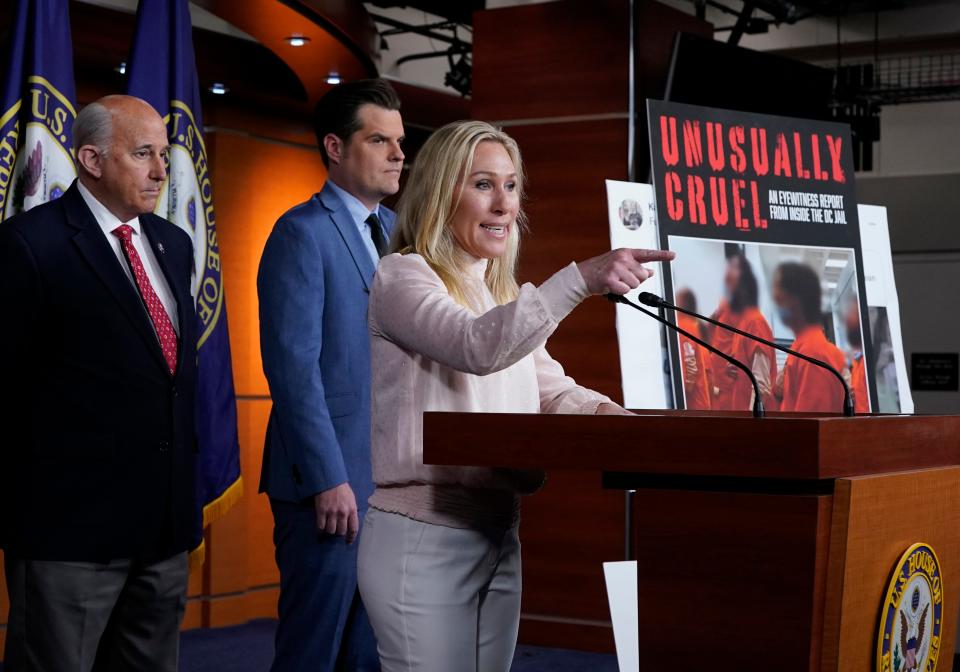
912	614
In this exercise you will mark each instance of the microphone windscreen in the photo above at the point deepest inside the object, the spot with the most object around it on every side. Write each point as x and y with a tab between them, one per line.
652	300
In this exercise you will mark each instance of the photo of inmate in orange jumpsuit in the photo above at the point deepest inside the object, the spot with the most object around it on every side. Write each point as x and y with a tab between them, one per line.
732	390
694	358
806	387
858	375
858	385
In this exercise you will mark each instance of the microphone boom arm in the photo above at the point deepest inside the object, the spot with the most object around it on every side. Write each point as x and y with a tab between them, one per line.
758	410
848	409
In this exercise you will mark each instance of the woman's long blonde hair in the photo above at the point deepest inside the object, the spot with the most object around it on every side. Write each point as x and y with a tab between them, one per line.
431	197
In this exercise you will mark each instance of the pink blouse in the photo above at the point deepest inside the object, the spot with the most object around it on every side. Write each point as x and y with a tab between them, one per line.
429	353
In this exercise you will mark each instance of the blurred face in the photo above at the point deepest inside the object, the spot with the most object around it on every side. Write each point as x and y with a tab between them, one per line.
630	214
788	305
128	176
731	277
369	162
489	203
851	321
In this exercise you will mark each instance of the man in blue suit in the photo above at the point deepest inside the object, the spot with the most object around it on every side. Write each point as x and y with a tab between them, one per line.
313	285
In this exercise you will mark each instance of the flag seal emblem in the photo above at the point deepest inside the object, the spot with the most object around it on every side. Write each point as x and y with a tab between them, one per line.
911	616
189	184
36	159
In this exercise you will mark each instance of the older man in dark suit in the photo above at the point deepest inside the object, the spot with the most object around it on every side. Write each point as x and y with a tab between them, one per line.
97	465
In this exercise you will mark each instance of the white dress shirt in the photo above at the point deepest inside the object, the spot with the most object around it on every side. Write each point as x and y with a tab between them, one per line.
108	222
359	213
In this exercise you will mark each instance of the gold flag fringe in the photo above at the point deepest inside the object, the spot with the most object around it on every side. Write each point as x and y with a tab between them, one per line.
216	510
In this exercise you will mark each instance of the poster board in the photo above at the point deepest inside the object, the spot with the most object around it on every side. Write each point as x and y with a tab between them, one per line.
644	364
762	213
889	365
644	358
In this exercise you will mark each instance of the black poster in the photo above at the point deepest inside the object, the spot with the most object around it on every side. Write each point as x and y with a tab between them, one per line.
935	372
762	213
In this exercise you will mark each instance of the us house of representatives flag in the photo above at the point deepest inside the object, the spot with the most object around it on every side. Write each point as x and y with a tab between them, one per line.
38	108
162	71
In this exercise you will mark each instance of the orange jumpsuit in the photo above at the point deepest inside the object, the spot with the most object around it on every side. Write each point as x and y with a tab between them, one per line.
807	387
736	392
696	389
861	396
722	340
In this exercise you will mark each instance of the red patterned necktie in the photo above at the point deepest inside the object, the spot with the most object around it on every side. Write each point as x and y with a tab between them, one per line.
158	315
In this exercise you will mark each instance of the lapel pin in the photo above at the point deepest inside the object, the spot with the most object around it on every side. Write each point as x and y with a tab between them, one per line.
160	247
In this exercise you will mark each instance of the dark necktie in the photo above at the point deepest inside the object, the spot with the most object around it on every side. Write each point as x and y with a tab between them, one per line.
376	233
158	315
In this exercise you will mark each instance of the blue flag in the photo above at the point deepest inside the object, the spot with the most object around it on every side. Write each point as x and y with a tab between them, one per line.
38	108
162	70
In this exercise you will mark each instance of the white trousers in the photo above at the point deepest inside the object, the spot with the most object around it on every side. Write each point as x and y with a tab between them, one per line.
440	598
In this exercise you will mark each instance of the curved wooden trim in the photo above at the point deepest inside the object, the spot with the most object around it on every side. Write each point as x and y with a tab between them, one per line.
343	38
349	22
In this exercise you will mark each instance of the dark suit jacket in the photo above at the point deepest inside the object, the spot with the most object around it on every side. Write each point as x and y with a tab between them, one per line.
98	442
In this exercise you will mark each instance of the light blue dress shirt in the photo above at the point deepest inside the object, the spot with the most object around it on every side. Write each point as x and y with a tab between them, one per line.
359	213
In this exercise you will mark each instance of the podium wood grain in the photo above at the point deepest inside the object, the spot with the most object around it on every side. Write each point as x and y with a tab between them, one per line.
781	446
761	544
717	582
876	518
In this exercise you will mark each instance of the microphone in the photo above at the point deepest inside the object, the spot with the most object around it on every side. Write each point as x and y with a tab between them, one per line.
655	301
758	411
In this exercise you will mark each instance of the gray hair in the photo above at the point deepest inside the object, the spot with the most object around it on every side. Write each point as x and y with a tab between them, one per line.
93	126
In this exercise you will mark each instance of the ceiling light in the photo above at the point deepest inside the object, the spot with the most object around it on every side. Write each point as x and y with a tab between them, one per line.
218	88
333	79
836	263
297	40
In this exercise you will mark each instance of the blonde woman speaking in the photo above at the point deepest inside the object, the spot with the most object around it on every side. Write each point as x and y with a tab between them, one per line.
439	564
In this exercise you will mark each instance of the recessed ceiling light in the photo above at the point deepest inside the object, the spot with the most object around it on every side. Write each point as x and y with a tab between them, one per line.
333	79
836	263
122	68
297	40
218	88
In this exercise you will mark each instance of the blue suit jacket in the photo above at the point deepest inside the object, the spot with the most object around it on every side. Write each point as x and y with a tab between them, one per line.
313	284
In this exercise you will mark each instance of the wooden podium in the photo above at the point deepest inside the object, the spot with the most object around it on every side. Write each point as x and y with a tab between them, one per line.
763	544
